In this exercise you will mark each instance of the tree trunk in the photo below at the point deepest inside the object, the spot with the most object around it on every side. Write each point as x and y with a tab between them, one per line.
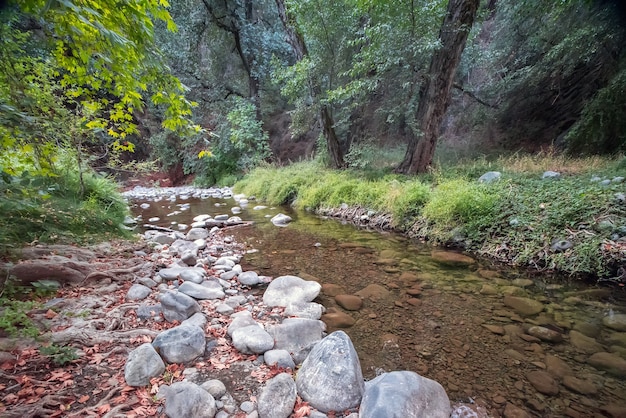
231	22
296	40
435	93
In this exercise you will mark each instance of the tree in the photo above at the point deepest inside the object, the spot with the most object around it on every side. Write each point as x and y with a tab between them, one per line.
435	92
327	52
100	61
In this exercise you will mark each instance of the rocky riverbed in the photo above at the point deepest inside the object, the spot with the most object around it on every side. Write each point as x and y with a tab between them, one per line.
269	326
201	332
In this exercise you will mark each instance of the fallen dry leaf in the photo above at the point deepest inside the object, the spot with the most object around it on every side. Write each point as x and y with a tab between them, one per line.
83	399
103	409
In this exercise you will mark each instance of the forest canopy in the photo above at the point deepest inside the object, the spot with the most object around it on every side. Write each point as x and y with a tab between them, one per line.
210	89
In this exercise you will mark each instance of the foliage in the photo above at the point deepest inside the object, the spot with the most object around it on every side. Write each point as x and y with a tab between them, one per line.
238	144
601	127
60	355
104	46
14	319
59	208
540	64
247	135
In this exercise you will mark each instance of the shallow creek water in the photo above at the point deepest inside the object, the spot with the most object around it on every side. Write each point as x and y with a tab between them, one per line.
444	322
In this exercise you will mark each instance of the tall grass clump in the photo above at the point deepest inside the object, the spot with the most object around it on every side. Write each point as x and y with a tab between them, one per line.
459	201
278	186
406	200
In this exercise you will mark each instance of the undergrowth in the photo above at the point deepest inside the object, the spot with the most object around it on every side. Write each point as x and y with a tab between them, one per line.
58	209
515	220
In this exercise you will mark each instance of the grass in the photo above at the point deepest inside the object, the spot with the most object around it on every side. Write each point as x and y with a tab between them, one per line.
514	220
57	209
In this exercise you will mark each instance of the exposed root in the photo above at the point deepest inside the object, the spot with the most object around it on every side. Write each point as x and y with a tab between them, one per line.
45	407
114	273
89	338
92	410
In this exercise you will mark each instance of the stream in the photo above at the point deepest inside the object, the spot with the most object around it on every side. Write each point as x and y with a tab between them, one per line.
463	322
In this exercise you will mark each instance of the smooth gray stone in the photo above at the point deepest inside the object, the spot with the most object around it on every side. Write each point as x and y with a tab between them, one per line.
278	397
309	310
189	257
285	290
281	220
161	239
297	336
330	378
553	175
215	387
143	364
147	281
224	309
178	306
198	319
404	394
188	400
197	233
170	273
227	275
225	261
249	278
149	311
138	292
180	344
490	177
181	245
252	340
193	274
198	291
279	358
240	320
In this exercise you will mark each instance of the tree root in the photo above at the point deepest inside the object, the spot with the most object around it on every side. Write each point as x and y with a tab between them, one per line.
114	273
89	338
45	407
85	411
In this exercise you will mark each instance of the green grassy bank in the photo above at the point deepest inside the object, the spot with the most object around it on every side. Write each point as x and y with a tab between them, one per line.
58	208
521	219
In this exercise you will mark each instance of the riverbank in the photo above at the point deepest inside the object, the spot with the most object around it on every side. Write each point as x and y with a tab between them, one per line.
569	220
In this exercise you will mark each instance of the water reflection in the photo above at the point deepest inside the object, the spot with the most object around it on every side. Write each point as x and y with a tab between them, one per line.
457	321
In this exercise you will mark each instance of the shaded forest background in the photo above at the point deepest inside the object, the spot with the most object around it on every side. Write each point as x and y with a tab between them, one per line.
272	79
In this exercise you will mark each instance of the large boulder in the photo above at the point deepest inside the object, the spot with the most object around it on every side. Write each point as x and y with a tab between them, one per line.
143	364
178	306
285	290
180	344
206	290
297	336
404	394
278	397
252	340
188	400
330	378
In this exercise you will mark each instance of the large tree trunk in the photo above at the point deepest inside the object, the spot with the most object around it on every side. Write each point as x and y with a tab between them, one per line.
435	93
231	22
296	40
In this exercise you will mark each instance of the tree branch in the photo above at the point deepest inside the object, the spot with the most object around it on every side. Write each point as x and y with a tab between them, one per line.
473	96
